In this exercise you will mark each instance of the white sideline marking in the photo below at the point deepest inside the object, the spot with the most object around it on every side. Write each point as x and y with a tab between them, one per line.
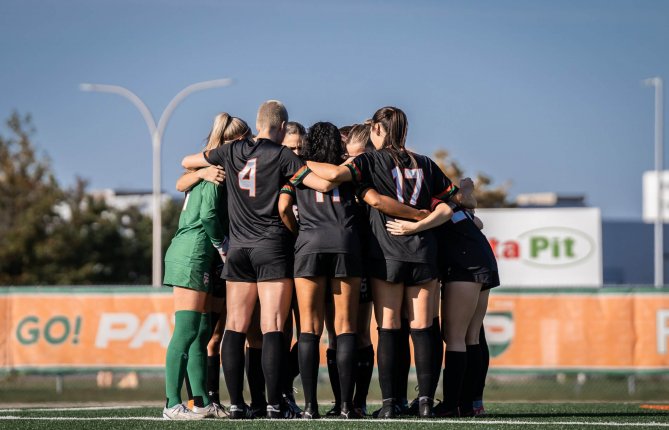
84	408
435	421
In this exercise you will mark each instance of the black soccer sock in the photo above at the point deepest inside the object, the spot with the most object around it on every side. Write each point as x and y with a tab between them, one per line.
286	381
213	377
485	363
189	390
272	349
345	365
454	373
308	355
333	373
438	353
232	350
424	358
255	377
364	366
387	360
403	362
472	374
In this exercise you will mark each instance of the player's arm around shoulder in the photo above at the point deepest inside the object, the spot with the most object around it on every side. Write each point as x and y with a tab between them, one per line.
286	201
441	213
391	206
213	174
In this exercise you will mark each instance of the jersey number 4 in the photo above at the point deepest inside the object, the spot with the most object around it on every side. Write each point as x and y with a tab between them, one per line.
247	177
399	175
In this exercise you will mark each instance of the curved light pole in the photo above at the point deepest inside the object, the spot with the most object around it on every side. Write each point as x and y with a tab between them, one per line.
659	161
156	132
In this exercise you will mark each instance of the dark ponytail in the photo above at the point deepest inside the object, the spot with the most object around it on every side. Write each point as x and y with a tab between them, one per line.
395	124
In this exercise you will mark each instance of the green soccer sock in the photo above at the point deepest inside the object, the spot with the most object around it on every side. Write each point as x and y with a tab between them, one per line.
186	329
197	361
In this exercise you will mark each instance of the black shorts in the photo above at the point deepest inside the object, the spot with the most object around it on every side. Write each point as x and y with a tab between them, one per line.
479	275
365	290
329	265
403	272
217	282
258	264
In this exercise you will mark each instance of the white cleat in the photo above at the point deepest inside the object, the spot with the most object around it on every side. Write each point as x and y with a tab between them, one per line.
180	412
212	410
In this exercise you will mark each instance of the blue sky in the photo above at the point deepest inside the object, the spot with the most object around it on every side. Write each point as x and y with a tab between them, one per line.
544	94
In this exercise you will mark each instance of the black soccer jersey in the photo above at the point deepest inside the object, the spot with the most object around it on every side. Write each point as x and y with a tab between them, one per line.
463	244
255	172
328	221
414	184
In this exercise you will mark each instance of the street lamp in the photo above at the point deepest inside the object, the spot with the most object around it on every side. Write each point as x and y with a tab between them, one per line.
156	132
659	161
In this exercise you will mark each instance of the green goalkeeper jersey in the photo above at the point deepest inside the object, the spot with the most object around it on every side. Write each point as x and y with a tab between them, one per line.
203	225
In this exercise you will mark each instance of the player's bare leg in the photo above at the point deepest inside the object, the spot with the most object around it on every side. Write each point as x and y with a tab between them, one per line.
474	355
241	299
458	309
419	303
346	297
388	299
275	297
311	302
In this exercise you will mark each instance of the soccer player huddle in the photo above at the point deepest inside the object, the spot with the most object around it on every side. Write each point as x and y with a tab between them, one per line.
318	228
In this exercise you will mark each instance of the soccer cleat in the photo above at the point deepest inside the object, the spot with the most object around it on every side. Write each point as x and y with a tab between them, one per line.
180	412
413	408
310	412
402	408
259	411
425	408
274	411
362	411
212	410
240	412
334	411
440	411
387	411
349	413
289	403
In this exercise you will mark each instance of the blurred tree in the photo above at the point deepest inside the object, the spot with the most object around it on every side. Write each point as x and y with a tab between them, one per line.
28	197
50	236
487	196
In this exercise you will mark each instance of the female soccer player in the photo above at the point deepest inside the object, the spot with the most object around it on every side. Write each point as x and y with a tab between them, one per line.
327	252
469	270
402	268
188	262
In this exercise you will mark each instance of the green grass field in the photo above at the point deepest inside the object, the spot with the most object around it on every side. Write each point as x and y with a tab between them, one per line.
501	415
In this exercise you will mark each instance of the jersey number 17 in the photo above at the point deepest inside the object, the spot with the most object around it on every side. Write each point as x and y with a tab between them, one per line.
399	175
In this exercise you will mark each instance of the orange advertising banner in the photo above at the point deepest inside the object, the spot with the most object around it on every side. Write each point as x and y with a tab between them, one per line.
73	329
604	329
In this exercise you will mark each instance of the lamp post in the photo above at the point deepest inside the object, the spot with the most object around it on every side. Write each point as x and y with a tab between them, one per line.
656	82
156	132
